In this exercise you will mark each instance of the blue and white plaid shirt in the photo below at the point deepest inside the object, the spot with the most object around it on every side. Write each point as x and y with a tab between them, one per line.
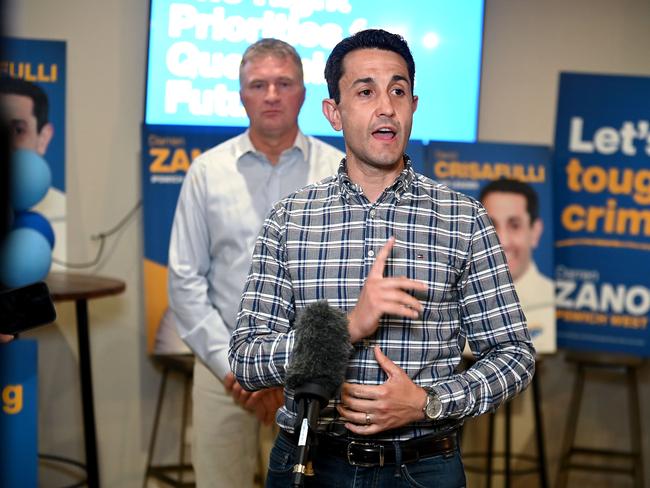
320	243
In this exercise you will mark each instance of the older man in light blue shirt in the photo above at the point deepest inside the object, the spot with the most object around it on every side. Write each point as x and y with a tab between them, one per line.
224	200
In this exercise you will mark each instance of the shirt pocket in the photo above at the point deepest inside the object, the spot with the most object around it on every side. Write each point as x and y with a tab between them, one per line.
436	270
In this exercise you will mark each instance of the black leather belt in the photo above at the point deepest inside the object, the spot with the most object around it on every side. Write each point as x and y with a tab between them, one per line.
380	453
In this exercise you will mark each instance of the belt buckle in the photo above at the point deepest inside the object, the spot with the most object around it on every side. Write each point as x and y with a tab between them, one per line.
367	445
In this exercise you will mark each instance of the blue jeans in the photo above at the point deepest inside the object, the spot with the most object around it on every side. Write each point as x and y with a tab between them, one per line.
443	471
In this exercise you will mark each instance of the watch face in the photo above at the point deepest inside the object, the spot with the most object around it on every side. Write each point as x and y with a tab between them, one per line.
434	407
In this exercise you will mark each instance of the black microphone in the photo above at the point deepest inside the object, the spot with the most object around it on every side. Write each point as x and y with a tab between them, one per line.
317	370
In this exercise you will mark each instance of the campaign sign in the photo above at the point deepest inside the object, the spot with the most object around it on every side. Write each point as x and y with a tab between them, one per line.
515	181
167	153
602	213
19	413
43	63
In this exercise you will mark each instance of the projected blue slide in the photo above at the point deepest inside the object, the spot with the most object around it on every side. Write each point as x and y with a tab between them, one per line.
195	48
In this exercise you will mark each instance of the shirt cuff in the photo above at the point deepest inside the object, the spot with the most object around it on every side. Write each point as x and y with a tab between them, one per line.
219	365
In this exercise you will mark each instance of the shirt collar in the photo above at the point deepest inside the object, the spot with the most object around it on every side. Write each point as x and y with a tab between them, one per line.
244	145
398	187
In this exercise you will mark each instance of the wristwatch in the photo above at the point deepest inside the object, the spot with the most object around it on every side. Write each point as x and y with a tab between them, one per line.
433	408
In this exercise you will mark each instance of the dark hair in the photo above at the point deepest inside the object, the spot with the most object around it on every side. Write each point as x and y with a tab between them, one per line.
18	86
365	39
269	46
518	187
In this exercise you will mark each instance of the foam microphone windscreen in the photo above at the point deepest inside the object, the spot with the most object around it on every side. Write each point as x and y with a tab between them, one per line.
321	348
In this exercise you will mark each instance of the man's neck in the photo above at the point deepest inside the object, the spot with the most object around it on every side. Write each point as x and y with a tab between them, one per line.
272	146
529	269
373	180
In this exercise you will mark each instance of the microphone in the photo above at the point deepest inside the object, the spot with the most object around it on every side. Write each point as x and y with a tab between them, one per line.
317	370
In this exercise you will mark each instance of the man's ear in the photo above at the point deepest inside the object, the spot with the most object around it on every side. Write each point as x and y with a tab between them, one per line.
538	228
44	138
331	113
415	102
304	94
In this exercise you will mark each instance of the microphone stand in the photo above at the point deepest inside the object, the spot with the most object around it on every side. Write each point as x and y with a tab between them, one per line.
310	398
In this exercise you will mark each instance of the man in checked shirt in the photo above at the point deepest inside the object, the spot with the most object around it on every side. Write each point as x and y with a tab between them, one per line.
417	268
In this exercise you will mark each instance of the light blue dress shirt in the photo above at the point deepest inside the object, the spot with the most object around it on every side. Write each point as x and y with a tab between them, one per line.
225	197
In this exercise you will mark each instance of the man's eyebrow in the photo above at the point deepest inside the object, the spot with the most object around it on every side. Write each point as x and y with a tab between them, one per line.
369	79
515	218
267	79
361	81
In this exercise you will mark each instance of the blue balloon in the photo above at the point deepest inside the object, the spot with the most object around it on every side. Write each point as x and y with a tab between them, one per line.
25	258
34	220
30	179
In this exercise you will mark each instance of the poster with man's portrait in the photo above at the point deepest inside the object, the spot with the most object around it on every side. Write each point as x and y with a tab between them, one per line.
32	96
513	182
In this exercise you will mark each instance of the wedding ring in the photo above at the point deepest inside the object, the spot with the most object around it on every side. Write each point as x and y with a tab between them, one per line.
368	419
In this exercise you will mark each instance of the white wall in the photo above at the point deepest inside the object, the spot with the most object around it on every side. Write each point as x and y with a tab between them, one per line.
527	43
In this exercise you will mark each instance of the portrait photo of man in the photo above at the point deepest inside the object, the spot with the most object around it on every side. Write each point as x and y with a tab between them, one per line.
27	110
514	208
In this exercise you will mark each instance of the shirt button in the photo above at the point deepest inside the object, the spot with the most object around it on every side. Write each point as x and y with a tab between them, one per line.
373	213
371	253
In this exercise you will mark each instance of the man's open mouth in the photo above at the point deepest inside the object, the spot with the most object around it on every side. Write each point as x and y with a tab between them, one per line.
384	133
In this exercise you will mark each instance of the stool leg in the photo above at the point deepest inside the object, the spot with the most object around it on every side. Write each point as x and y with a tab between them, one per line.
154	432
635	426
490	449
186	401
508	448
571	426
539	431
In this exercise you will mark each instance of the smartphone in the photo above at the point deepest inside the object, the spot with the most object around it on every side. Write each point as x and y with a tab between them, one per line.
25	308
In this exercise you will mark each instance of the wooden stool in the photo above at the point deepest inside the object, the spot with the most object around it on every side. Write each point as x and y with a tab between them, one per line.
536	464
184	365
614	363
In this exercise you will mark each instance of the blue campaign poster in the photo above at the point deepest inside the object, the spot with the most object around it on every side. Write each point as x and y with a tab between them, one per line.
602	213
19	414
167	152
515	181
43	63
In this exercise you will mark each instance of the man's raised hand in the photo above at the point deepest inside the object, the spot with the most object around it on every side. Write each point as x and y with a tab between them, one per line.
383	295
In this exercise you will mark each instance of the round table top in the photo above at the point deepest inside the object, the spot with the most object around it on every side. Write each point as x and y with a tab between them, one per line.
75	286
